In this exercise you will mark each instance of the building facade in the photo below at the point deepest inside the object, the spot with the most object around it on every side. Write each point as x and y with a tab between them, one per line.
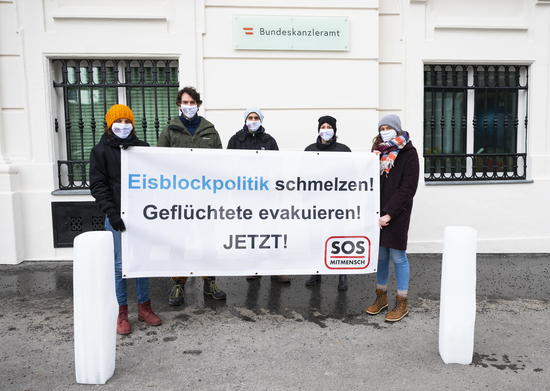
470	81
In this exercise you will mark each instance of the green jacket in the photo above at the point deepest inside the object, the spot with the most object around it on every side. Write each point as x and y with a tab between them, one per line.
176	135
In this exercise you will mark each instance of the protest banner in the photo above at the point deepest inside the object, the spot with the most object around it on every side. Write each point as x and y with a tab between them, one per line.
205	212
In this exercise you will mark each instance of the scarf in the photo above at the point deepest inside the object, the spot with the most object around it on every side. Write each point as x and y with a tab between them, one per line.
124	143
390	150
328	144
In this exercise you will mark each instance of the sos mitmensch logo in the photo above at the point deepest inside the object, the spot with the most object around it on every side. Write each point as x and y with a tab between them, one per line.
347	252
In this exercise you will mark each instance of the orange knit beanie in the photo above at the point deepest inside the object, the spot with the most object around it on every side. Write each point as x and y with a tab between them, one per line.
118	112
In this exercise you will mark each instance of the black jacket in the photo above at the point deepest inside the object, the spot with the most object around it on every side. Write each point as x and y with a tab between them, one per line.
330	146
244	139
397	190
105	171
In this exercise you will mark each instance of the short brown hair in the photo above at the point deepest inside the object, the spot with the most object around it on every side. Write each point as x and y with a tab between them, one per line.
192	92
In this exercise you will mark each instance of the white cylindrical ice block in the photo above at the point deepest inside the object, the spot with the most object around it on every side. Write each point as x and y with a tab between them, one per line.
457	314
95	307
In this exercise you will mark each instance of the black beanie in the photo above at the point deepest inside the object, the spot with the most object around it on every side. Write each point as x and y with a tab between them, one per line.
327	119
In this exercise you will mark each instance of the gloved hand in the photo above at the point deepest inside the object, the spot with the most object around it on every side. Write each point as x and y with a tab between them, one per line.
116	222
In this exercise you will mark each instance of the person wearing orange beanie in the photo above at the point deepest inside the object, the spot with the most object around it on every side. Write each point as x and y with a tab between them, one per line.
105	188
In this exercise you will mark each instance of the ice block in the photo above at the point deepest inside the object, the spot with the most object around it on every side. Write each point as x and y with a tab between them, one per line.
457	312
95	307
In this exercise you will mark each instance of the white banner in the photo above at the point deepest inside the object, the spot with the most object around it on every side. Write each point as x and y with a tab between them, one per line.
212	212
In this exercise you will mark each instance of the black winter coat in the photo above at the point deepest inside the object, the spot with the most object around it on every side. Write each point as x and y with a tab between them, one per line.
105	171
330	146
397	190
258	140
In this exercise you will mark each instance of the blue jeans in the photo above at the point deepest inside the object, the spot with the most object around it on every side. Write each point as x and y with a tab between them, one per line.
400	264
142	284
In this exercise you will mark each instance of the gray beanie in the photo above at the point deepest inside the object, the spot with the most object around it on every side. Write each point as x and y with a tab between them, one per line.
256	110
391	120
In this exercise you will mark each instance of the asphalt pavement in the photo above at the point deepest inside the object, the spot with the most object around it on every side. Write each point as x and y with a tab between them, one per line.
274	336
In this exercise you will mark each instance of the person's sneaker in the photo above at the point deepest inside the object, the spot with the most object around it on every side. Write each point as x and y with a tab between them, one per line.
399	309
281	278
210	288
176	294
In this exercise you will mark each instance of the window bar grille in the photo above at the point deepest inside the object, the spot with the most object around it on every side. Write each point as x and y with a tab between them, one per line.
526	110
498	162
79	100
72	172
142	82
91	80
464	122
155	82
167	81
103	64
453	120
442	119
432	117
495	116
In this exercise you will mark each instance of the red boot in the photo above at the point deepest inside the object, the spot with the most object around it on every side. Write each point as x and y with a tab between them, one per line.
145	313
122	324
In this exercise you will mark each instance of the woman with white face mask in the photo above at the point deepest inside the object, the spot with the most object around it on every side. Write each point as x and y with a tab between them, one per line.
326	142
399	172
326	138
105	188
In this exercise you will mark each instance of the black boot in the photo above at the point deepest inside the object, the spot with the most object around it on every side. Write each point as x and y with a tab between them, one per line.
314	279
343	283
210	288
177	293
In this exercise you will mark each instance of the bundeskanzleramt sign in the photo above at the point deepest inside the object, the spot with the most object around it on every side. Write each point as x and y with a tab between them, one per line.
206	212
262	32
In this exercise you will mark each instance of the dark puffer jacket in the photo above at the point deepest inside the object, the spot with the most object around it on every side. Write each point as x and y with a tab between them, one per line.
244	139
105	171
397	190
330	146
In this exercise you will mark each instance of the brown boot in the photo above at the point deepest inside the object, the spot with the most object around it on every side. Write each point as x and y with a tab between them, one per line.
399	309
145	313
380	303
122	324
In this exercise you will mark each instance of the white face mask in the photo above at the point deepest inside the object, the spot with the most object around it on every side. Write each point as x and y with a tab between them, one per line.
326	134
189	111
253	125
122	130
387	135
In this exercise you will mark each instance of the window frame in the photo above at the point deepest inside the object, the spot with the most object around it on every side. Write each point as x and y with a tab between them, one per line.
73	172
469	166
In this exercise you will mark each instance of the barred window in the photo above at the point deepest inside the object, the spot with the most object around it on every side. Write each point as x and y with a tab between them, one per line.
475	122
90	87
